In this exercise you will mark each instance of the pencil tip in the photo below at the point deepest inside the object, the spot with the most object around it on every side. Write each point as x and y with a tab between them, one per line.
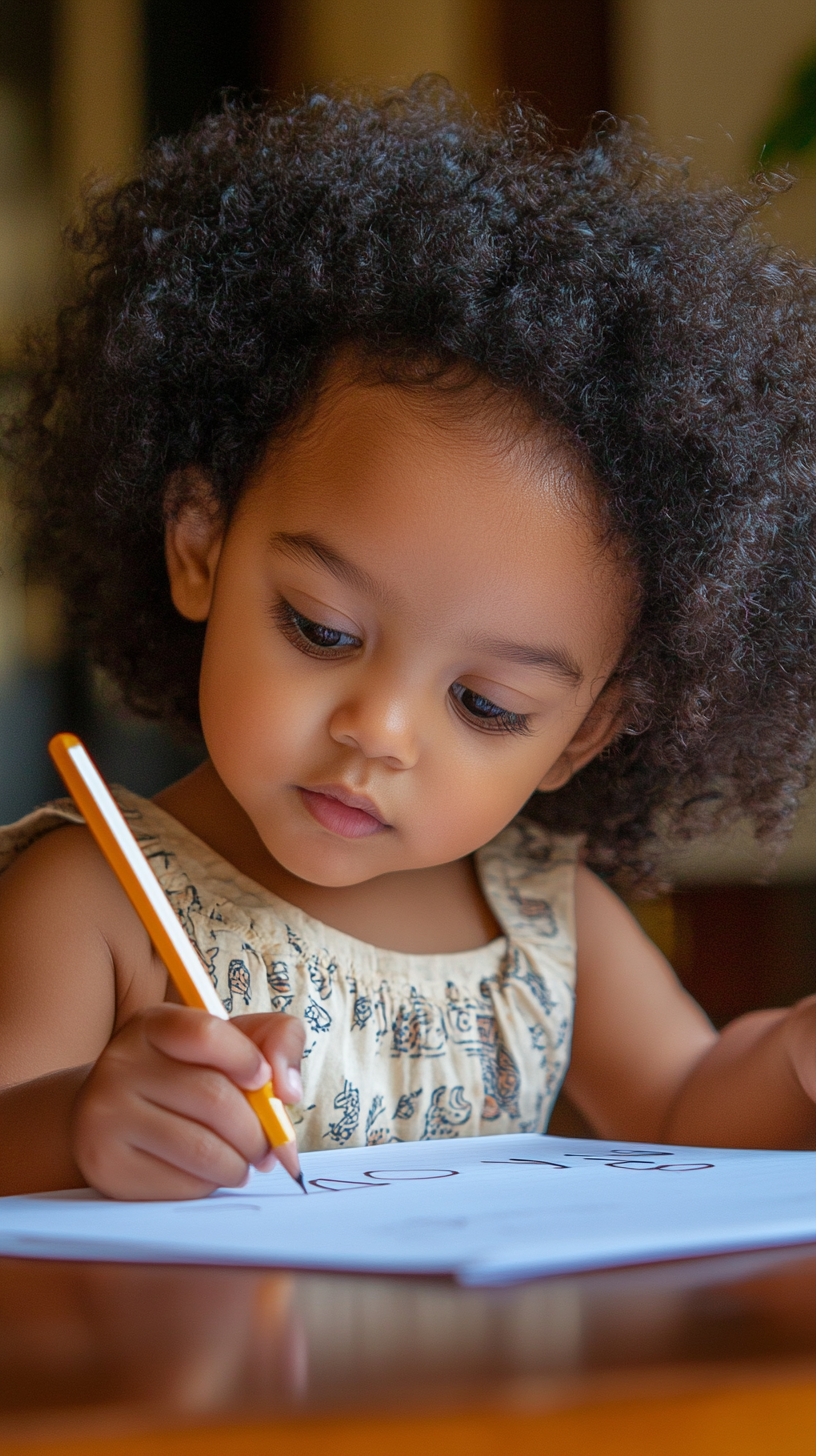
301	1182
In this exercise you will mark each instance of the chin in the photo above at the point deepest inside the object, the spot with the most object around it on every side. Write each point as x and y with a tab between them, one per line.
329	871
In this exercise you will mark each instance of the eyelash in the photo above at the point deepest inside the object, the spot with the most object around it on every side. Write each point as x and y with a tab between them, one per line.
486	716
296	628
478	712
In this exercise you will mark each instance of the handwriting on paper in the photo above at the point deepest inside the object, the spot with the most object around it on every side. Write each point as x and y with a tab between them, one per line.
617	1158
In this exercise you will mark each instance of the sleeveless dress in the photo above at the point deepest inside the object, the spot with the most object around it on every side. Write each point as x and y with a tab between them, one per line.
399	1047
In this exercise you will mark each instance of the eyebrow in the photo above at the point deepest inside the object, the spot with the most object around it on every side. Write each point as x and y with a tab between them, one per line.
552	659
305	547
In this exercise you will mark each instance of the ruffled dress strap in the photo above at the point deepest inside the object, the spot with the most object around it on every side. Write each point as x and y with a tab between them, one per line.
15	838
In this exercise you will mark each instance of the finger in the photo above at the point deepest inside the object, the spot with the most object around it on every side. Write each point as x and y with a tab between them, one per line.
188	1147
267	1163
108	1134
189	1035
138	1176
281	1038
202	1095
801	1038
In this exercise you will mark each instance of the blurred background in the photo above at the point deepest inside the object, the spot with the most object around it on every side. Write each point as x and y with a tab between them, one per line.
83	85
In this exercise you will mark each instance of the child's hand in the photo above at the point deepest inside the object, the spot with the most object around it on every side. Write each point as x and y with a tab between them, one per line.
162	1114
801	1042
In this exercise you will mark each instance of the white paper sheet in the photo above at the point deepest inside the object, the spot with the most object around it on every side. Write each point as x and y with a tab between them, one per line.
488	1210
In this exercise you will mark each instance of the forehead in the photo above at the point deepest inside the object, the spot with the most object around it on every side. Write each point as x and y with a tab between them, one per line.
447	441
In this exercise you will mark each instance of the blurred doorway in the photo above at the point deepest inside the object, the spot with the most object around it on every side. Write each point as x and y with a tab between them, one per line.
553	54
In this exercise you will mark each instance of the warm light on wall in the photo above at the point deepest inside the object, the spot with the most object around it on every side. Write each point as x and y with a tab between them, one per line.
707	78
99	90
389	42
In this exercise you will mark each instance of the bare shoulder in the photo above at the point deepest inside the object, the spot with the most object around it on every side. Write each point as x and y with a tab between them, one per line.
612	947
592	896
62	879
75	961
603	923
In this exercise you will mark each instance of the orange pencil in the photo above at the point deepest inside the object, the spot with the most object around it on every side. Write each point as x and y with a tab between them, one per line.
104	818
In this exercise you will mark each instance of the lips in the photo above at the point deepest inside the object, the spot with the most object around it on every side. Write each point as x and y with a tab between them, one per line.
337	809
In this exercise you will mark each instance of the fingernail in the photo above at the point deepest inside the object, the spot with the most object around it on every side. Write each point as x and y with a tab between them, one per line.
295	1085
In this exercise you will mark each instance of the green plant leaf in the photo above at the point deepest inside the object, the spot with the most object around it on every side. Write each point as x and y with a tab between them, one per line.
791	132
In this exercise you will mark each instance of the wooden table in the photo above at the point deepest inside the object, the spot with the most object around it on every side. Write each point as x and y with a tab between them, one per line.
699	1357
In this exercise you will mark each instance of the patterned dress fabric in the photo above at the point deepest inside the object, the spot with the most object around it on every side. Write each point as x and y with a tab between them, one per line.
399	1047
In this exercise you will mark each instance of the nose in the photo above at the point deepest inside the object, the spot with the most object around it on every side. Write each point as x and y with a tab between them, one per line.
380	721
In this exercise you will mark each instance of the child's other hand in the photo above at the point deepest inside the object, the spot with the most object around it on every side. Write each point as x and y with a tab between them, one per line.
162	1113
800	1026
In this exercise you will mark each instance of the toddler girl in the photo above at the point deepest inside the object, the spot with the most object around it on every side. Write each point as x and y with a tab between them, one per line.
459	490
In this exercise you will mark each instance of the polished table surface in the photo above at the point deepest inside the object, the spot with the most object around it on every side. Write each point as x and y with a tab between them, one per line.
695	1356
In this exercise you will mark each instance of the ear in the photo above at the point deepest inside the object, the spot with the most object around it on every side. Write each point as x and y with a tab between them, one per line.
193	537
602	723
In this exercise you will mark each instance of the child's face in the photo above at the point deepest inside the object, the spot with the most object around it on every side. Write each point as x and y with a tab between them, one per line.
409	622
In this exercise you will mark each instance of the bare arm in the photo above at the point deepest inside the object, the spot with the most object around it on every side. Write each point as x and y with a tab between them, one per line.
647	1064
35	1133
756	1086
76	964
101	1081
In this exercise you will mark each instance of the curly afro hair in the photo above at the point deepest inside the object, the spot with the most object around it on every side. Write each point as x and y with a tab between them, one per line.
673	343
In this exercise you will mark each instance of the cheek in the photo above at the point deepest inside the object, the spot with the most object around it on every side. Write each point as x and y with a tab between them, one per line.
253	710
475	791
470	798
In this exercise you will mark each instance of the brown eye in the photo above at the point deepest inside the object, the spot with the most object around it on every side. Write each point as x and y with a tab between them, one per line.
486	715
314	638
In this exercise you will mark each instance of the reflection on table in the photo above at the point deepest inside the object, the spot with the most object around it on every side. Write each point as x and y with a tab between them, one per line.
210	1344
